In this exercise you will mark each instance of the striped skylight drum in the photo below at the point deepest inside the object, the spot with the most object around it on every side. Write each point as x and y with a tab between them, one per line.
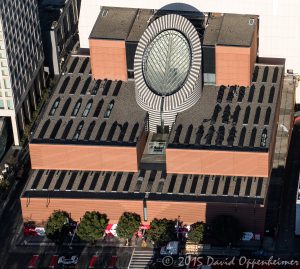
167	69
166	62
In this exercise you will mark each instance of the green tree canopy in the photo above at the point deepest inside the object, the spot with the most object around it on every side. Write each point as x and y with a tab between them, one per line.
226	229
57	226
162	231
196	232
128	224
4	184
92	226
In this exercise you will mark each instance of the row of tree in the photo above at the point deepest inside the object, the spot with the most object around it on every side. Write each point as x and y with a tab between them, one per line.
225	229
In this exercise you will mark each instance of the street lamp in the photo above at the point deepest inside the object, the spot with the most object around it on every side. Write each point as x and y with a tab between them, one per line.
145	208
177	227
70	244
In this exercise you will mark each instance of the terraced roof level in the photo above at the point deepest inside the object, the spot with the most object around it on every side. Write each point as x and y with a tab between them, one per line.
158	185
232	117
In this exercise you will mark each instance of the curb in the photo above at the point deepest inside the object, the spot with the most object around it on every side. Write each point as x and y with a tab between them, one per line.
50	244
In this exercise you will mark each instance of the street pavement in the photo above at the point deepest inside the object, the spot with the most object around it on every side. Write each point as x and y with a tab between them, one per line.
19	258
287	244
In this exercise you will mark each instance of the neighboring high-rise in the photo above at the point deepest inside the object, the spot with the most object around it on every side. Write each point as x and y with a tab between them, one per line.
21	62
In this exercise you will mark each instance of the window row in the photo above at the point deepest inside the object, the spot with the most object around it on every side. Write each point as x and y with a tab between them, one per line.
86	110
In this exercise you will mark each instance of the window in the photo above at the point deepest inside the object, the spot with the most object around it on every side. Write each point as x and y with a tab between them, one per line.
4	72
265	75
54	107
261	94
67	130
75	85
98	108
267	117
87	109
64	85
3	63
246	115
7	94
1	104
257	115
76	108
78	131
10	104
109	109
165	67
271	96
96	87
275	75
7	84
65	107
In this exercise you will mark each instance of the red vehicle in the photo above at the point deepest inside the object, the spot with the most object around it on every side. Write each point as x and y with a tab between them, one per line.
112	262
33	261
53	261
30	231
93	261
141	231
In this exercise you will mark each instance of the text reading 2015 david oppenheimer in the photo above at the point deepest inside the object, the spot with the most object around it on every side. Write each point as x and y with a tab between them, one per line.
230	261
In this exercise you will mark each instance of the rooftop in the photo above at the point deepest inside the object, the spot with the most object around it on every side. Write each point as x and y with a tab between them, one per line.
158	185
140	24
114	23
232	118
129	24
212	31
237	30
83	110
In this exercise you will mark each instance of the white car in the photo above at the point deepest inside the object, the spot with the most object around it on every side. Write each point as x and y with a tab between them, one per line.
68	260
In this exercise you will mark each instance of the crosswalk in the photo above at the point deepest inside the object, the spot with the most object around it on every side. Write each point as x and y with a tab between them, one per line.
141	259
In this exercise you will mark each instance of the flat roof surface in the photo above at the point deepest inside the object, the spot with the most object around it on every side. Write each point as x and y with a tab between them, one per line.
158	184
114	23
59	125
140	24
212	31
232	121
237	30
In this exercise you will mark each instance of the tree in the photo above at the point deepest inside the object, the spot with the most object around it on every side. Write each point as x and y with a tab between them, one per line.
92	226
162	231
57	226
196	232
128	224
4	184
226	229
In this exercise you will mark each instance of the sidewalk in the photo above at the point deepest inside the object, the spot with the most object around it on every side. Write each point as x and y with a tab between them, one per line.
43	241
11	158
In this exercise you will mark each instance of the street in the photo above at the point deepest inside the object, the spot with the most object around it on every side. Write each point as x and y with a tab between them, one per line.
287	244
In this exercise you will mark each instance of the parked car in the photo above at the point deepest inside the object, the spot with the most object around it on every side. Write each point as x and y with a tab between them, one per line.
111	230
172	248
66	260
53	261
33	261
112	262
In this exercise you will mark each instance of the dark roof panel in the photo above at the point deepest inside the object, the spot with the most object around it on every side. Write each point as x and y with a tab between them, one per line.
113	23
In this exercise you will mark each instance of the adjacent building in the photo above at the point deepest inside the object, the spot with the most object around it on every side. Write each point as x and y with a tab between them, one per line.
59	26
21	62
157	120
